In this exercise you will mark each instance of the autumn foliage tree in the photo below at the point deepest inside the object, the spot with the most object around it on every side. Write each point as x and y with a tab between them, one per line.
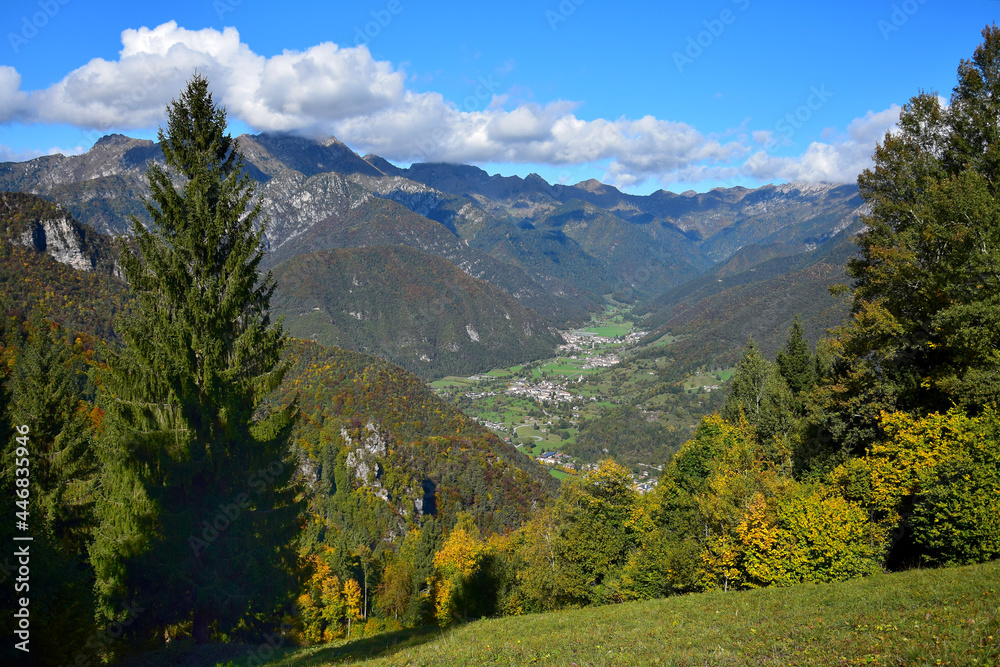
453	584
932	484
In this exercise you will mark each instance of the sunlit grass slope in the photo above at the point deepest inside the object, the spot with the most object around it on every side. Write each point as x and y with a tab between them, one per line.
928	617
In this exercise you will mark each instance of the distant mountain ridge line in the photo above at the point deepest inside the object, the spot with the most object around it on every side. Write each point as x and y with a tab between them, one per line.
268	154
557	248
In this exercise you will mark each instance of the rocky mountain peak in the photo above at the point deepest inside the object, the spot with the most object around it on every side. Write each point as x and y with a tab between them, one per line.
109	140
382	165
307	156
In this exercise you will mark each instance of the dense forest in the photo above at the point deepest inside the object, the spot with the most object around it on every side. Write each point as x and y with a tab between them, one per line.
189	474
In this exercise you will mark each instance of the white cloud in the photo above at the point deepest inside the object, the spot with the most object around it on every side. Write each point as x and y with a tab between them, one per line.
8	154
327	89
839	161
290	91
12	100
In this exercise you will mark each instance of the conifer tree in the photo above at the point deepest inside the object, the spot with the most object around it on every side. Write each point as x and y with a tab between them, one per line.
46	391
196	513
46	396
795	361
7	598
759	393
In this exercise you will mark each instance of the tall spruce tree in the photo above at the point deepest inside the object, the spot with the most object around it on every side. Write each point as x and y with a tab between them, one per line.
197	512
46	385
758	393
795	360
7	596
46	395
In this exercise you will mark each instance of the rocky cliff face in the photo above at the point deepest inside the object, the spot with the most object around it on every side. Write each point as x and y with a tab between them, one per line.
60	238
48	228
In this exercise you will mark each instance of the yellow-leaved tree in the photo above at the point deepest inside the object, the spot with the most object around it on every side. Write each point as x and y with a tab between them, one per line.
456	566
319	605
726	499
351	602
933	486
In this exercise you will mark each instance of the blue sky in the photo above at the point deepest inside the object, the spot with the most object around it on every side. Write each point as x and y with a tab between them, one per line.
644	95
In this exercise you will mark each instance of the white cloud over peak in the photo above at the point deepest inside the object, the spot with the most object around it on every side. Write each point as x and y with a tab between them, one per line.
330	90
839	161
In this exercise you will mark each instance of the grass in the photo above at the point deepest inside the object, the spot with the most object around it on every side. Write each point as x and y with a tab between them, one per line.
569	367
452	381
611	330
708	379
665	339
922	617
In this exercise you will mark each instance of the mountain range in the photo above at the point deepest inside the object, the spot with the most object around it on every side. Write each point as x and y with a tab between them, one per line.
691	263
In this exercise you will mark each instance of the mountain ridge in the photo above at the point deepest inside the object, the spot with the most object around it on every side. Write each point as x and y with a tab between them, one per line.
558	249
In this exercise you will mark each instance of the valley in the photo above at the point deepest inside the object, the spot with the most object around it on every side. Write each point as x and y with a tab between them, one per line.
543	407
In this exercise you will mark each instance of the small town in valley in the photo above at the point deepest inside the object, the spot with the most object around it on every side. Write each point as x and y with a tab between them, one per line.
542	407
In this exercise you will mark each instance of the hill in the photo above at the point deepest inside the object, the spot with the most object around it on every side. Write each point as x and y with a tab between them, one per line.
714	314
919	617
380	451
46	255
408	307
352	217
436	458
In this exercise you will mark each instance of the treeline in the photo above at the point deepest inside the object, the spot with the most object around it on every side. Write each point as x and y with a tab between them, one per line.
755	498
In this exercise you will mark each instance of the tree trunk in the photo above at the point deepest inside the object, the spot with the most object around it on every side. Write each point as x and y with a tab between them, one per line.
200	630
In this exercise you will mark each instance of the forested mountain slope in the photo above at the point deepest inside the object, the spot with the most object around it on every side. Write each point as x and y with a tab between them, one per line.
408	307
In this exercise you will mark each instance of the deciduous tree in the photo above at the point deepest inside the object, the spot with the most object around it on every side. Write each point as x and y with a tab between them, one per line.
925	327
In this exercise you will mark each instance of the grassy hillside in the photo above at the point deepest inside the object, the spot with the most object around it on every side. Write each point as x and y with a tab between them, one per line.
923	617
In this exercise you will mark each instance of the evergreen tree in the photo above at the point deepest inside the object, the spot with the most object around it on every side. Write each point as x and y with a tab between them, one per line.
759	393
46	383
46	387
925	328
7	598
795	361
196	512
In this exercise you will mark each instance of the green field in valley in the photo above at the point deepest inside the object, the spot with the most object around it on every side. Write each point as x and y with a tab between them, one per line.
611	330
